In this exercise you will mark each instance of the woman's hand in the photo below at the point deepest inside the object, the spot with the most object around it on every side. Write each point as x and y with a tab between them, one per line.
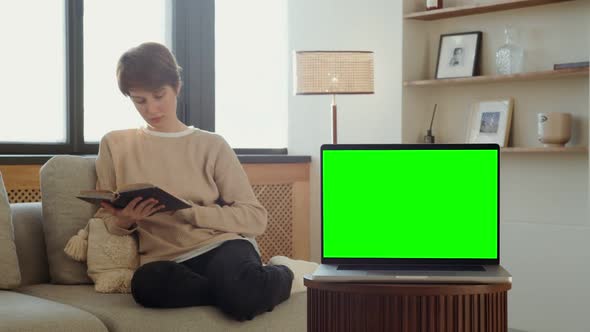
135	211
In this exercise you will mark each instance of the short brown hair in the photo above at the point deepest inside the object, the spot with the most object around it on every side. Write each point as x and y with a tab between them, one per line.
148	66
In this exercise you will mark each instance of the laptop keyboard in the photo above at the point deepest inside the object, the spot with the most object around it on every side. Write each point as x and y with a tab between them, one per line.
385	267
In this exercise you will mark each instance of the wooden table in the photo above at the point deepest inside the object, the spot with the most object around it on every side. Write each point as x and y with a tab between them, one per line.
373	307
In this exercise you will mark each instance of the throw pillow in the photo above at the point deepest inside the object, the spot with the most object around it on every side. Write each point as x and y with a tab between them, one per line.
111	259
10	276
62	178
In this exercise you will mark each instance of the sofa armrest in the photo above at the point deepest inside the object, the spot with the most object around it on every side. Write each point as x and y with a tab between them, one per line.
30	242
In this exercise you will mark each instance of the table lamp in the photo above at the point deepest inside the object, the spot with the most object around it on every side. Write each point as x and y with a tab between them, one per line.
332	73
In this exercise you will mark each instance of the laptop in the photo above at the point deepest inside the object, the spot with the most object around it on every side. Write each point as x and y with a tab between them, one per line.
415	213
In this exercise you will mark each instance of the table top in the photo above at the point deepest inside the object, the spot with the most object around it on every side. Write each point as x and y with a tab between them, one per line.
407	288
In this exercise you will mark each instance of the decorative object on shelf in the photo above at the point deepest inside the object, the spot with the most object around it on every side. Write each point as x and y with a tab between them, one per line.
510	56
567	65
332	73
458	55
489	121
554	129
429	138
434	4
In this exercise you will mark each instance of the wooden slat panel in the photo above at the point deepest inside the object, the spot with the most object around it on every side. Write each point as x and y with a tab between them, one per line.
20	176
277	173
278	237
22	183
27	176
301	248
431	313
461	314
347	308
24	195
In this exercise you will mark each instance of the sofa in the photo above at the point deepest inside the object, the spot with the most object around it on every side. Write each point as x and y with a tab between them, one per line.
59	297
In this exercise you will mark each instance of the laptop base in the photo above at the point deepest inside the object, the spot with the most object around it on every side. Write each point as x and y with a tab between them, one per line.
491	274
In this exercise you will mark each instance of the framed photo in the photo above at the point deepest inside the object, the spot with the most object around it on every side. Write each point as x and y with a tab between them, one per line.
458	55
489	121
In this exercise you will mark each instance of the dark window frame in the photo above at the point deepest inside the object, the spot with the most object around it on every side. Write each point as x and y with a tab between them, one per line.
195	53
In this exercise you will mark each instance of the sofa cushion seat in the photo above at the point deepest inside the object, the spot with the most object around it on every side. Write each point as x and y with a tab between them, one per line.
119	312
20	312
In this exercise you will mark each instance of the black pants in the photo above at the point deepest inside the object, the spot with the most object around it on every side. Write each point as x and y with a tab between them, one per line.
230	277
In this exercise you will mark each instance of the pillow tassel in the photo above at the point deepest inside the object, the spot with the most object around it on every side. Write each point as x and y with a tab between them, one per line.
77	246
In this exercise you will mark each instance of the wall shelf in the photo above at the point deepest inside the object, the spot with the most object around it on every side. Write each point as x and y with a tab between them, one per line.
476	9
530	76
566	149
540	89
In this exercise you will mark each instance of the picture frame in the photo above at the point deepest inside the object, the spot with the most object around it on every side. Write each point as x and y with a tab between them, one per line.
459	55
489	121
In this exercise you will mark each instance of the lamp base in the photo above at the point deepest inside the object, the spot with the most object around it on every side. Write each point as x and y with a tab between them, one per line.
334	121
334	125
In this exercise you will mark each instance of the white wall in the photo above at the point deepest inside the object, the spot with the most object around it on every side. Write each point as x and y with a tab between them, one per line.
345	25
545	226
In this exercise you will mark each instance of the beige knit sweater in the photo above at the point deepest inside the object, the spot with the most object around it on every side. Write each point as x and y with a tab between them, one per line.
196	165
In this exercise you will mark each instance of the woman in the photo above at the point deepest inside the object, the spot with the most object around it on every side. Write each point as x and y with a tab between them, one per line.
203	255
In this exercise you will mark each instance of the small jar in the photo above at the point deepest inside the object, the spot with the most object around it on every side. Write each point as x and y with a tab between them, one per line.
434	4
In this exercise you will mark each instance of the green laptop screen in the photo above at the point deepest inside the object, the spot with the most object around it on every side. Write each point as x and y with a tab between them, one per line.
414	204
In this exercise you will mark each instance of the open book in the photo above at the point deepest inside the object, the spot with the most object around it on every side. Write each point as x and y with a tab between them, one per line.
121	198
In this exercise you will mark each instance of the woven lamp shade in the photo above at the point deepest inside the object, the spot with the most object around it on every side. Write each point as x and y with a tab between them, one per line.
333	72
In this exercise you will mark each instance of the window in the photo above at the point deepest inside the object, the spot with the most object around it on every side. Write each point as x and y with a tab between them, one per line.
33	81
60	63
251	72
111	27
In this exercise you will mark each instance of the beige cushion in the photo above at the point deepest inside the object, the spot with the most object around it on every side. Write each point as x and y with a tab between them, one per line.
120	313
9	270
111	259
62	178
20	312
30	242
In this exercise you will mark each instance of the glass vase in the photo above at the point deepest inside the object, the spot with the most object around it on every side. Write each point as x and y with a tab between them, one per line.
510	56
